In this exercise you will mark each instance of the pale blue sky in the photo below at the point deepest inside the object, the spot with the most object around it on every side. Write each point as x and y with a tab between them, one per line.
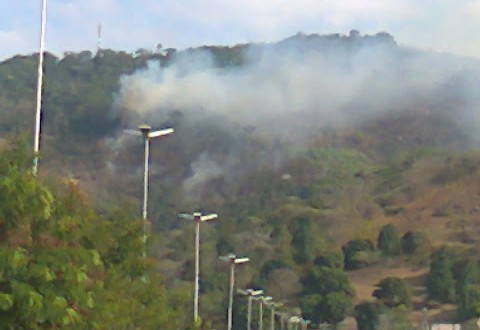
442	25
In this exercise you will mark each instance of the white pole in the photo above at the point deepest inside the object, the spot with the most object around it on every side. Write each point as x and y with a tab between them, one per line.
260	312
145	195
145	179
249	313
230	299
272	318
197	270
36	144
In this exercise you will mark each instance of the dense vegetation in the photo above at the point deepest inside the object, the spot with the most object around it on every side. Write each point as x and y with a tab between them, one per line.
309	214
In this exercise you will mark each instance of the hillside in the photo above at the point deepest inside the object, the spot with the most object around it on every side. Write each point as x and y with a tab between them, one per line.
301	146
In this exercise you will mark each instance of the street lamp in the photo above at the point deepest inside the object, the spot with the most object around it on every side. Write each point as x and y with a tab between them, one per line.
282	315
146	132
261	300
197	217
293	320
272	306
232	260
250	293
304	323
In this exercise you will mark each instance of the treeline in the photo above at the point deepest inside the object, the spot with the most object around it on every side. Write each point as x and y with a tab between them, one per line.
63	266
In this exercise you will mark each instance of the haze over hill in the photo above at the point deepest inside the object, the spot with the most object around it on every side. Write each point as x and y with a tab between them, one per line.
307	148
292	90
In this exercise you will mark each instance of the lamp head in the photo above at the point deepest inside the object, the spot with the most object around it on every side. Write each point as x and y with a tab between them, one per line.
145	129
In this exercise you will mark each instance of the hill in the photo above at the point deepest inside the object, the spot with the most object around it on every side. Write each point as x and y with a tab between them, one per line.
302	146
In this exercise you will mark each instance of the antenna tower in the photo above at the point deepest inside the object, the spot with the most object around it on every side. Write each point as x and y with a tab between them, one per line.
99	37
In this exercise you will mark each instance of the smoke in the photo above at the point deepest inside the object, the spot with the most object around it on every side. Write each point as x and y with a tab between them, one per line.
295	87
203	169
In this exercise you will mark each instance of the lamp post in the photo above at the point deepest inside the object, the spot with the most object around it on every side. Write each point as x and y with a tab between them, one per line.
293	320
146	132
250	293
261	301
232	260
272	306
198	218
38	109
304	323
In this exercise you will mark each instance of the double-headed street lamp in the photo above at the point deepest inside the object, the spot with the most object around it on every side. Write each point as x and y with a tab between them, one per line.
146	132
250	293
198	218
232	260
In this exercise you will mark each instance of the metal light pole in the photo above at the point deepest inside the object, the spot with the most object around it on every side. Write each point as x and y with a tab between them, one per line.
146	132
38	109
304	323
250	293
282	320
293	320
261	301
272	306
232	260
198	218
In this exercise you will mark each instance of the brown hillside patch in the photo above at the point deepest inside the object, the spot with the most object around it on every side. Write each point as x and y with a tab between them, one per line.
364	280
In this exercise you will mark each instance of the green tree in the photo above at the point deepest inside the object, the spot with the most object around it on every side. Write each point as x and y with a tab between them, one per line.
389	241
329	295
367	315
393	291
351	251
333	259
468	289
440	282
65	267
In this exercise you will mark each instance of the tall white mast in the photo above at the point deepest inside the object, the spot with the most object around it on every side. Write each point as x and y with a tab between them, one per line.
38	117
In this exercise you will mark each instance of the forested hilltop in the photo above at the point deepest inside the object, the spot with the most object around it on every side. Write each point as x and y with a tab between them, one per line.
346	167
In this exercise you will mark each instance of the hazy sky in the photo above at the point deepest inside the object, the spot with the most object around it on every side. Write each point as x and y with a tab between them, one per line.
443	25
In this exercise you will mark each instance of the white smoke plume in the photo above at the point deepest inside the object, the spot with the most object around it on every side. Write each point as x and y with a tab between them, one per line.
295	87
280	82
204	168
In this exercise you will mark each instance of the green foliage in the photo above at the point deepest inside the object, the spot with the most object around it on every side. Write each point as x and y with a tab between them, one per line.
328	172
329	295
389	241
367	315
397	318
440	282
412	242
393	291
352	249
333	259
64	267
468	289
331	308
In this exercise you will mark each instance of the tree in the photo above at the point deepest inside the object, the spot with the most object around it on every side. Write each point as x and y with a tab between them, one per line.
417	246
468	289
351	251
65	267
333	259
331	308
367	315
440	282
389	241
329	294
393	291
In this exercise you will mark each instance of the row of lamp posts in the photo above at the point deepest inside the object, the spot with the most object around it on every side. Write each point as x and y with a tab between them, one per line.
146	132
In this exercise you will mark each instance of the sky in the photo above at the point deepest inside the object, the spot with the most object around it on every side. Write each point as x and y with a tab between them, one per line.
440	25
